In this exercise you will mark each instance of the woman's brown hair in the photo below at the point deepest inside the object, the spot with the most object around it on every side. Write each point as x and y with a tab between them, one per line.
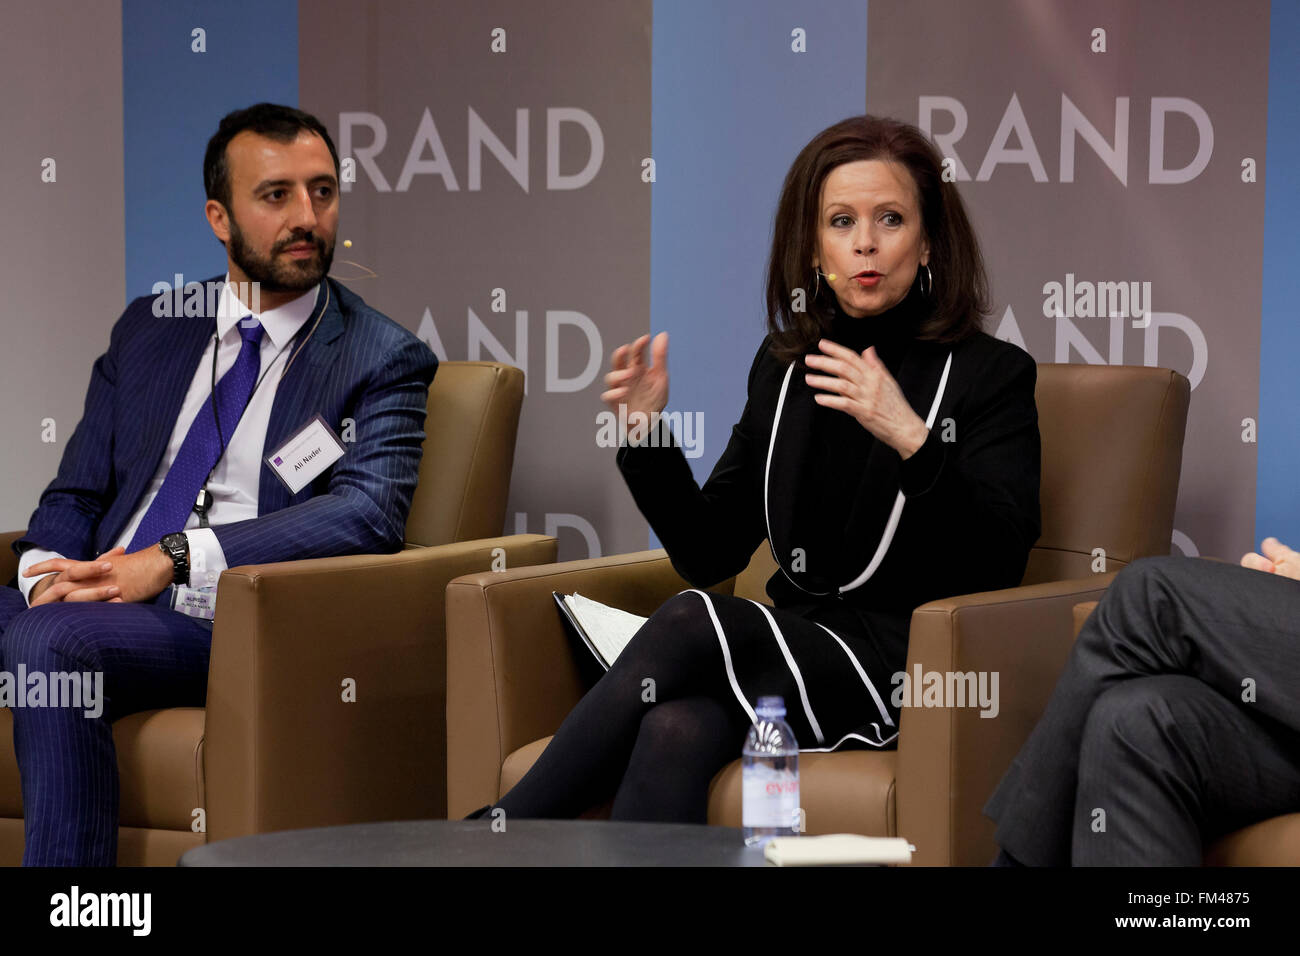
958	298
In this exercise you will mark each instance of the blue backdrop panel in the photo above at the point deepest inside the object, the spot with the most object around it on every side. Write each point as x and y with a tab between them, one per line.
1277	489
173	99
733	105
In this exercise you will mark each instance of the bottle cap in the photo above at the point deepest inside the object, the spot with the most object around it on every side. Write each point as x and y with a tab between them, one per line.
771	706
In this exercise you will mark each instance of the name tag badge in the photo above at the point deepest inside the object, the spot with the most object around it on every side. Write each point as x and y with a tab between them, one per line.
196	602
306	455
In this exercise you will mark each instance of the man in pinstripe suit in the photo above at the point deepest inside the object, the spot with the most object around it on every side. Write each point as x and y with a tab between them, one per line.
120	532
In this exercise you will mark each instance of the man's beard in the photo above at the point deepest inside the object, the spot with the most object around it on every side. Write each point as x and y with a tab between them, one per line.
274	275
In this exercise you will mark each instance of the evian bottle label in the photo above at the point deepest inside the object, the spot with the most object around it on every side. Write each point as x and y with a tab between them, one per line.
770	797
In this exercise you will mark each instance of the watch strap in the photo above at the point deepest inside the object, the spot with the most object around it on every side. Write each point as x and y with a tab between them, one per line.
177	547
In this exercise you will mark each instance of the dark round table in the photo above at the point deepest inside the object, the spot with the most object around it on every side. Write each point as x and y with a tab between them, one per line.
475	843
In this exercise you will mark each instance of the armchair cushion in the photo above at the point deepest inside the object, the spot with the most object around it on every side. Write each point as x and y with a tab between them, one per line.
1273	842
849	791
11	795
160	763
518	763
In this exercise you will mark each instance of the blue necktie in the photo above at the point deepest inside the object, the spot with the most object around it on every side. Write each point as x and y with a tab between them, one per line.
171	507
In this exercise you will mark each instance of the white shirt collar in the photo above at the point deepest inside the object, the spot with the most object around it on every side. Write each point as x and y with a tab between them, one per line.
281	324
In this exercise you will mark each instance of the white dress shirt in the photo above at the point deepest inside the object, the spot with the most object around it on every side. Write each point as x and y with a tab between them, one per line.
234	482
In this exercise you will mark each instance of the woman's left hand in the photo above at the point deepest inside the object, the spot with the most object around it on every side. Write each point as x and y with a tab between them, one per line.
861	386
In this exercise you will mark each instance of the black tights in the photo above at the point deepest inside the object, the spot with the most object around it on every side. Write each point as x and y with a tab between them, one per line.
654	747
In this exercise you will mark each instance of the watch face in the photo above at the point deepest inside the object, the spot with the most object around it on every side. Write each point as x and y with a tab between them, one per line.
176	545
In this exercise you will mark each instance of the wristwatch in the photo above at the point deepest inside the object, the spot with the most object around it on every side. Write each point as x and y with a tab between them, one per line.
177	547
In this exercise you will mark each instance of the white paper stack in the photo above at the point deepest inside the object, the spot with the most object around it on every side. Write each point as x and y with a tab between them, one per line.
607	627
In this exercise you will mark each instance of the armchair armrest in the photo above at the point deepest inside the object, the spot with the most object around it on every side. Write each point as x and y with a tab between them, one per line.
950	759
8	560
326	687
511	673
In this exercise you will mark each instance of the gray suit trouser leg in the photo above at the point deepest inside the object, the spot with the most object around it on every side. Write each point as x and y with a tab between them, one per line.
1176	720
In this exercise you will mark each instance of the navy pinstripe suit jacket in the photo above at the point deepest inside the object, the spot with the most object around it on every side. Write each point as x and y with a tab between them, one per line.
359	364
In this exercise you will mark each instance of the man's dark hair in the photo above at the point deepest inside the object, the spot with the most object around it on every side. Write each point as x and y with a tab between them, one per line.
280	123
959	298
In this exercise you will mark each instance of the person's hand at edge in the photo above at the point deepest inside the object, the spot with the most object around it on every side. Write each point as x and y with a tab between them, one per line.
1276	559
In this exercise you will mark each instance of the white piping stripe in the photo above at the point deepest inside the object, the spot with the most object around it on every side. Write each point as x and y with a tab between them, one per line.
726	654
880	704
886	540
826	750
938	396
897	513
735	686
794	669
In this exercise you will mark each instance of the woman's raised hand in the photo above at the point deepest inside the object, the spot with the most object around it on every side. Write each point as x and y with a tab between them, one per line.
642	388
861	386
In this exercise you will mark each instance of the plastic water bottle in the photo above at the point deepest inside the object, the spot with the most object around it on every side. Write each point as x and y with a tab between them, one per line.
770	776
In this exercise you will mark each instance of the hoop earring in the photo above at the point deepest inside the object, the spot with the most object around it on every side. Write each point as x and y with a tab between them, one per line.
928	285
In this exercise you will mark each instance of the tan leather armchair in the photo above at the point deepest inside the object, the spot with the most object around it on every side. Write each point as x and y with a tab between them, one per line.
1271	842
276	746
1112	449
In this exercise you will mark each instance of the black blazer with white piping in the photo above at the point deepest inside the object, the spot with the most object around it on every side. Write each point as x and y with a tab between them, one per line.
847	518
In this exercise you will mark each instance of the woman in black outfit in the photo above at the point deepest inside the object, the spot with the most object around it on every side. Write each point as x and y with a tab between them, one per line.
888	451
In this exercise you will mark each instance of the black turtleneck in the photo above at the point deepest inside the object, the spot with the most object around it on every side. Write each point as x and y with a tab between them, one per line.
892	327
840	445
